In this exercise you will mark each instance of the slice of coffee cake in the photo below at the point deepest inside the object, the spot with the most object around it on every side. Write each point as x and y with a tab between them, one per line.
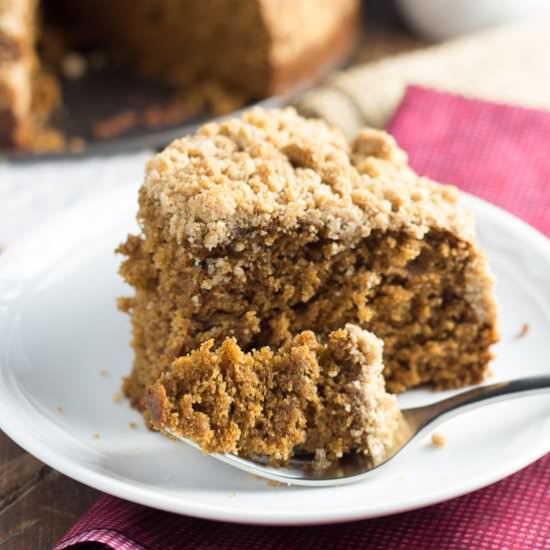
262	227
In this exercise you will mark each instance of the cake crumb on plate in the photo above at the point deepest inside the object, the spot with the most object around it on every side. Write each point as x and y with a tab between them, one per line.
523	331
438	440
274	483
117	397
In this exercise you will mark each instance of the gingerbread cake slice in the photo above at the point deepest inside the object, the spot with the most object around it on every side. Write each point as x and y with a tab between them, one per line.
327	399
261	227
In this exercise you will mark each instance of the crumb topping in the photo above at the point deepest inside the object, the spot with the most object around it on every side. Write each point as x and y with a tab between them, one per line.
275	166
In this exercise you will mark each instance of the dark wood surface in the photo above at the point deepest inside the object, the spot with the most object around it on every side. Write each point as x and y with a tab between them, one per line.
37	504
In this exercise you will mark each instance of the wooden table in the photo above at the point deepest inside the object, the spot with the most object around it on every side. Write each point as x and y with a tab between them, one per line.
38	504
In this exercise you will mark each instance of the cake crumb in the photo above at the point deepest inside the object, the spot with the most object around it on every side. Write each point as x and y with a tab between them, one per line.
133	425
60	409
97	435
438	440
104	373
74	66
76	144
115	125
169	114
273	483
523	331
117	397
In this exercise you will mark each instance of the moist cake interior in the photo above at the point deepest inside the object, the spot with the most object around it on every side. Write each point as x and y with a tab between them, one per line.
408	292
327	399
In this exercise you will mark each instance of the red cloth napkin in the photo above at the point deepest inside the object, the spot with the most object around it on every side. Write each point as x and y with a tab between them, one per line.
502	154
497	152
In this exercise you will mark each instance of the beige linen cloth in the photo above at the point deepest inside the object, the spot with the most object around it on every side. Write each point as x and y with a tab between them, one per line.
509	64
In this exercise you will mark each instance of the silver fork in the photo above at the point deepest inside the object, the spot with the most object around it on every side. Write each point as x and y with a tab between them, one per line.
356	467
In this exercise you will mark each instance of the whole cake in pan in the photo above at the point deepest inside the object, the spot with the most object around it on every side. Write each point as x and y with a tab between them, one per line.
246	50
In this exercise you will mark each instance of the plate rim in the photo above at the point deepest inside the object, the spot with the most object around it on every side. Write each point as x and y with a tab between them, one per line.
149	496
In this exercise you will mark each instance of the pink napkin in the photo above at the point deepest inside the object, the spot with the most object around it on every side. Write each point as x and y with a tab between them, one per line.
497	152
502	154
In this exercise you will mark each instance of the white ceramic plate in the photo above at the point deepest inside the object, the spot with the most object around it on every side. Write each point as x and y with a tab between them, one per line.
64	348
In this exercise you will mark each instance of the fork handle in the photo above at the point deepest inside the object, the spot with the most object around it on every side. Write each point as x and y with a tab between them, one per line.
420	417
